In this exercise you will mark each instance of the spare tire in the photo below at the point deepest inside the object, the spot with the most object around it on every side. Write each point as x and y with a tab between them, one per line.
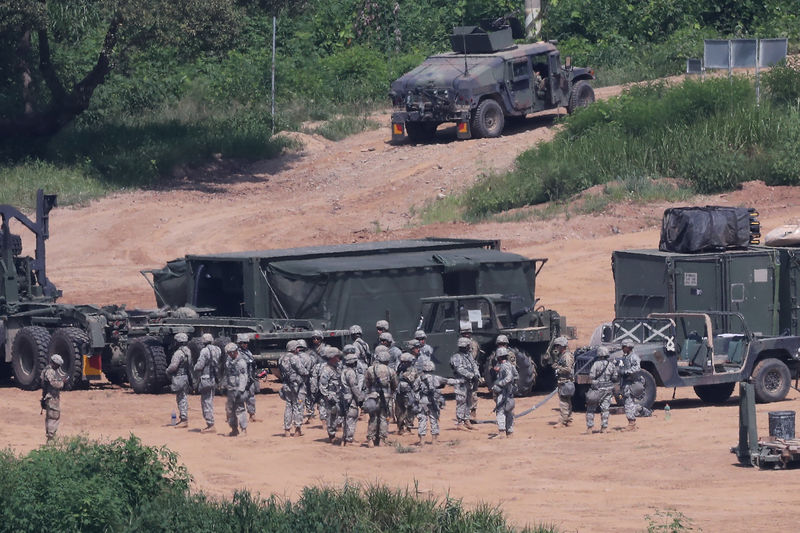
146	365
29	356
527	374
70	344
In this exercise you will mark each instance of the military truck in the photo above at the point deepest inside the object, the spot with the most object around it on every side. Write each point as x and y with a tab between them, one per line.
708	350
484	82
530	331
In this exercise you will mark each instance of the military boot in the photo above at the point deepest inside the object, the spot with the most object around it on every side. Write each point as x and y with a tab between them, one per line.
604	429
434	439
509	434
233	433
287	433
209	429
588	431
253	418
370	443
631	426
182	424
298	431
468	424
421	440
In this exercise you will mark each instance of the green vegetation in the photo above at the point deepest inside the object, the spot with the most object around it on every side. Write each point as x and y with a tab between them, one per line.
124	486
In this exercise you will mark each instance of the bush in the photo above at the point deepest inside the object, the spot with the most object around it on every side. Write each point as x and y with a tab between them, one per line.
782	84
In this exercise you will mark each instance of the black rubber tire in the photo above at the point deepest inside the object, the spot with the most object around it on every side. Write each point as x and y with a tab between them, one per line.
718	393
16	244
5	368
648	397
29	356
116	377
489	374
421	132
146	365
581	95
771	380
488	120
579	398
527	374
70	344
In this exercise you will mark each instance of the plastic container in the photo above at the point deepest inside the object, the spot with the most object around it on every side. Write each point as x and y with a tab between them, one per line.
174	419
667	412
781	424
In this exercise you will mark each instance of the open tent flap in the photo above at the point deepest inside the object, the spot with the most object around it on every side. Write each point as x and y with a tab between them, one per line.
173	283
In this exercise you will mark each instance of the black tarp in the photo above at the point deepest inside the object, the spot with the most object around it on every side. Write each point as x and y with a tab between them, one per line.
173	284
704	229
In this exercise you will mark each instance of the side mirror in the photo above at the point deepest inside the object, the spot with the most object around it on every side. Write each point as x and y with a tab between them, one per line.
568	62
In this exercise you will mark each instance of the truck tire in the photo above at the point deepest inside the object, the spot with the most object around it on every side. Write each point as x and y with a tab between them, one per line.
648	397
70	344
146	364
581	95
579	398
421	132
116	377
488	119
29	356
771	379
527	374
717	393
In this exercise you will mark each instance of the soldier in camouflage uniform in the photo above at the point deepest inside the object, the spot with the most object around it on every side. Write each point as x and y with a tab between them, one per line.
52	379
253	385
503	390
293	376
603	374
381	326
178	370
363	352
475	353
350	396
329	385
206	368
431	401
236	383
424	348
387	340
317	350
465	371
381	384
308	360
405	400
632	382
415	349
564	366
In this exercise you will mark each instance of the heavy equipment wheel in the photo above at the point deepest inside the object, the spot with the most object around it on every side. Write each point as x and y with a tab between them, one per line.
579	398
527	374
488	119
146	364
717	393
70	344
648	397
421	132
581	95
29	356
771	379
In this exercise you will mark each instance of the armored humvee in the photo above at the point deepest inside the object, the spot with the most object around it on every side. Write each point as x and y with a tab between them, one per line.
485	80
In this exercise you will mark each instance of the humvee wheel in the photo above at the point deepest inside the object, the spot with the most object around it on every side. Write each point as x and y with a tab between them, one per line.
421	132
488	120
771	379
527	374
70	344
581	95
648	397
29	356
718	393
146	364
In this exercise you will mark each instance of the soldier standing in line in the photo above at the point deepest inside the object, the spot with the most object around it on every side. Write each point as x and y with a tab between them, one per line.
632	382
405	400
206	367
387	340
465	370
415	349
350	396
563	364
53	379
475	353
317	350
236	383
424	348
603	375
381	326
329	385
431	402
253	385
293	374
363	352
503	389
381	384
178	369
308	361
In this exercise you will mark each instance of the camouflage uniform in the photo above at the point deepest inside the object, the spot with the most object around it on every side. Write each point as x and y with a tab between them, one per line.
363	352
180	380
317	351
253	385
350	397
431	401
381	384
629	366
603	374
405	400
564	367
503	389
293	376
52	382
308	361
329	385
465	370
206	367
475	353
236	383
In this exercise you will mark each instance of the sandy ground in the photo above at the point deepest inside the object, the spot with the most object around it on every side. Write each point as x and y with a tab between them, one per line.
362	189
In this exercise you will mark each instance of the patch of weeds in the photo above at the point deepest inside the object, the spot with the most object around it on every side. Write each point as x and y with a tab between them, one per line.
668	521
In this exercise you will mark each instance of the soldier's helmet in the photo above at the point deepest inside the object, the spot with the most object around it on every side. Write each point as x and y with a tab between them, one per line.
561	341
231	348
382	324
501	339
428	366
627	343
291	346
383	356
181	337
207	338
465	326
350	358
301	343
464	342
355	329
381	349
386	336
419	335
413	343
57	359
501	353
242	337
602	352
332	353
317	334
349	348
406	357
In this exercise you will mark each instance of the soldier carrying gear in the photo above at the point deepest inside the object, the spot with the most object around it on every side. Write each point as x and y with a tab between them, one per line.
381	383
253	385
563	365
179	371
318	350
405	400
466	372
474	352
386	339
381	326
329	384
503	390
53	379
603	374
350	396
293	376
632	385
361	346
431	402
206	368
236	383
424	347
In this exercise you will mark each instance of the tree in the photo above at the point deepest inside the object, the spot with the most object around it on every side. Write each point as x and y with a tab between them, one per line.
56	53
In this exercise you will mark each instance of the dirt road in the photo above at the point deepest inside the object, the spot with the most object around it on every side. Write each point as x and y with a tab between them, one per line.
363	188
